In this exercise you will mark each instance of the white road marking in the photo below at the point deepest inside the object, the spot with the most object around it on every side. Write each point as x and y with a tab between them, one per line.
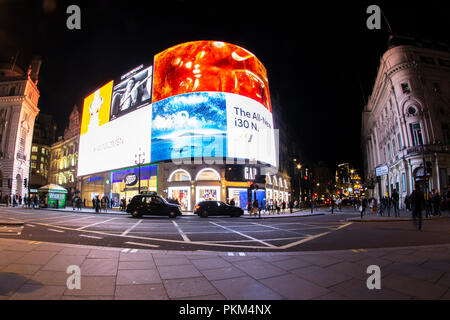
244	235
94	224
75	219
131	228
311	238
54	230
231	254
125	250
241	254
279	229
182	234
134	250
92	237
142	244
237	241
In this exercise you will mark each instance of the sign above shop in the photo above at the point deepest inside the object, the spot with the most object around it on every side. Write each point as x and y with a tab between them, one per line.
243	173
130	179
382	171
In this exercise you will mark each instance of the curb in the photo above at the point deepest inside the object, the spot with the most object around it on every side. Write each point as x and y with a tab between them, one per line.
391	220
284	216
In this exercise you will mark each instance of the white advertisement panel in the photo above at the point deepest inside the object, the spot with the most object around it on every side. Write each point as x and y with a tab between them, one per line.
250	133
115	144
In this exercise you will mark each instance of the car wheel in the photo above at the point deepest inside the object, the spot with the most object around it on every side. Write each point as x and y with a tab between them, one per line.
172	215
136	214
205	214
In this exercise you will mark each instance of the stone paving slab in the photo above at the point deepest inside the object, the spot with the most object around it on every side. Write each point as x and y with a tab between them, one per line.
37	270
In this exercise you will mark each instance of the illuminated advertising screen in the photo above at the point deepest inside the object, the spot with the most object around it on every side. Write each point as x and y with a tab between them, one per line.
189	125
210	66
134	91
116	143
96	109
199	99
211	124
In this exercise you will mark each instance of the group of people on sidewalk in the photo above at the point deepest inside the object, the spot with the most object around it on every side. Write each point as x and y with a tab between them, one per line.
26	202
417	202
271	207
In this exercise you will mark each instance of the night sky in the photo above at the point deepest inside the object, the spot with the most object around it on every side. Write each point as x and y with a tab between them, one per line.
321	58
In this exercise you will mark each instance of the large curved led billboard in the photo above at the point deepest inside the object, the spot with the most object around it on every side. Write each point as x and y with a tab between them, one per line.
210	66
208	99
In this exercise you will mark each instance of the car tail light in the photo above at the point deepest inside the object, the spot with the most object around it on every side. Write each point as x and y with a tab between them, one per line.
197	207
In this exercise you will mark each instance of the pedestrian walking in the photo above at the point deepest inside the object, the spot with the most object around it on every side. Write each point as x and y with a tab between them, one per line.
363	206
283	206
291	205
395	198
97	204
428	205
418	203
255	207
436	203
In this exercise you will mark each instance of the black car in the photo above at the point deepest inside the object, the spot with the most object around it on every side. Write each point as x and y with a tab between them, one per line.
216	208
144	204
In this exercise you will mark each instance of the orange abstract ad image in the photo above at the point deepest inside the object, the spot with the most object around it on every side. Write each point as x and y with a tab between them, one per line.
210	66
96	108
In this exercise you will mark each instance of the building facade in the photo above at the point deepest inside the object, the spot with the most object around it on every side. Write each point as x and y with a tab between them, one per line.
43	138
19	97
195	125
64	155
405	124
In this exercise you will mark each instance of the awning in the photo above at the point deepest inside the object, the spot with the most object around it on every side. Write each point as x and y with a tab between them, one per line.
53	188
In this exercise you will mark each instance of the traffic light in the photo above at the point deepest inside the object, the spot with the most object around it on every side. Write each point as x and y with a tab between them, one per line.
25	182
429	168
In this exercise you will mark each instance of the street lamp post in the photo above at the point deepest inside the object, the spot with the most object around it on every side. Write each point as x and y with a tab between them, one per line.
299	167
139	160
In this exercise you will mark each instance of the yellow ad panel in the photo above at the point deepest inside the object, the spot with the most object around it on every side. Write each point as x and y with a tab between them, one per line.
96	108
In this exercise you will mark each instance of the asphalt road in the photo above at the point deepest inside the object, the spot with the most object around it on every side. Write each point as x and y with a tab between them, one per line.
326	232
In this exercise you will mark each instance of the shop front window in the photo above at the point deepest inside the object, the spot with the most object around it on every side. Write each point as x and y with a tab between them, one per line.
179	175
208	175
207	193
180	195
239	195
124	187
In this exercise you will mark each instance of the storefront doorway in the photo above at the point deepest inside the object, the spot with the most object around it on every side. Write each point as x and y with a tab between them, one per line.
239	195
125	183
181	194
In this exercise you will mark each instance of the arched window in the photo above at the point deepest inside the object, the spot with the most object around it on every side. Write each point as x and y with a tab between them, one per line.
208	174
179	175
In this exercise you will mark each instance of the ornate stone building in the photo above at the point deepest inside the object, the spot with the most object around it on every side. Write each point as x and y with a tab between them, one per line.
43	138
405	123
19	97
64	155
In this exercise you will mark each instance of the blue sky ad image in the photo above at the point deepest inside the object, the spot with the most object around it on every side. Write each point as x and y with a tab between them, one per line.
189	125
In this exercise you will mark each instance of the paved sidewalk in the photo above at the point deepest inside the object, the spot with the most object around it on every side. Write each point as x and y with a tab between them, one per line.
37	270
404	216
